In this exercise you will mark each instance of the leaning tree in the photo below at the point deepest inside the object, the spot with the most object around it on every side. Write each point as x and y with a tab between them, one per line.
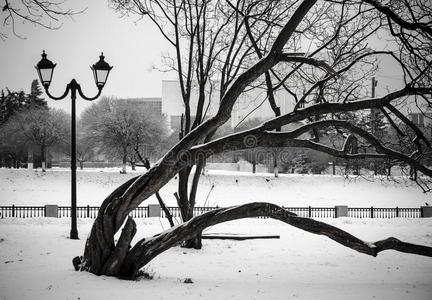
212	43
328	92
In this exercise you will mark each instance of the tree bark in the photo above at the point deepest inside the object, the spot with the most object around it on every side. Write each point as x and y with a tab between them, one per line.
100	242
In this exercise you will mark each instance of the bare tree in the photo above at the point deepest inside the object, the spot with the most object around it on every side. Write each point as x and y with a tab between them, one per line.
118	128
102	255
37	127
211	48
85	147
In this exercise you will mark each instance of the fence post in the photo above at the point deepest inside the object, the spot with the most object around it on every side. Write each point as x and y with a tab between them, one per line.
310	211
426	211
341	211
371	212
13	210
154	210
51	211
397	211
88	211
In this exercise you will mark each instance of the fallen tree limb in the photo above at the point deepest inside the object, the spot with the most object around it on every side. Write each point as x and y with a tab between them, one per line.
147	249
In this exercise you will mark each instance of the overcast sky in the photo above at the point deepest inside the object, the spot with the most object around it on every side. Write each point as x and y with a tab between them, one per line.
131	47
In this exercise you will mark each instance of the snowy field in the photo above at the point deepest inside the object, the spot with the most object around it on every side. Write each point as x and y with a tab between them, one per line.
22	187
36	264
36	253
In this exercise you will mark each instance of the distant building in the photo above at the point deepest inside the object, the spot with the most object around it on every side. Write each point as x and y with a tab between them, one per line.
250	105
152	106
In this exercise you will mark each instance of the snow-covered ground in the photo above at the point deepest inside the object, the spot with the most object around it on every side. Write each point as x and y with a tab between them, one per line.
36	253
36	264
22	187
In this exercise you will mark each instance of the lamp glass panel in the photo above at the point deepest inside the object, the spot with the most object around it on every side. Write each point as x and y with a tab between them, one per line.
101	76
46	75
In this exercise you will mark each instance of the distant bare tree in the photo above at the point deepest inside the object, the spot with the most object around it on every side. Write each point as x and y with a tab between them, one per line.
37	127
85	146
118	129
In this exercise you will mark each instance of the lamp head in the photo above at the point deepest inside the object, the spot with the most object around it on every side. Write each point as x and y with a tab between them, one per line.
45	69
101	70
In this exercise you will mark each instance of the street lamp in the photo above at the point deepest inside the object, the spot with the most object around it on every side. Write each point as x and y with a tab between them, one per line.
45	69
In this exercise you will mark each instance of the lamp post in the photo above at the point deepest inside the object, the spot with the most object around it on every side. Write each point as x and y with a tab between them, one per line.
45	69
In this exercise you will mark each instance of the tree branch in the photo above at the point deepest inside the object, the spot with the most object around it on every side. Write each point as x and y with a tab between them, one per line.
147	249
425	27
307	60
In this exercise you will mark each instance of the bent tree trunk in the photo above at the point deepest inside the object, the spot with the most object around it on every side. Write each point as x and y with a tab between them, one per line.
124	262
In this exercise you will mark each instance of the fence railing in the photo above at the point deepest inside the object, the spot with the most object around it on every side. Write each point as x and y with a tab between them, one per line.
143	212
313	212
379	212
22	211
92	211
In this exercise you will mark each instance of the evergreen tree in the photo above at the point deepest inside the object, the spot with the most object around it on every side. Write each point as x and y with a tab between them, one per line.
11	104
34	98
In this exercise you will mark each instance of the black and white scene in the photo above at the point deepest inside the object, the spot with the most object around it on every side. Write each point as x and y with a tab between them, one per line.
216	149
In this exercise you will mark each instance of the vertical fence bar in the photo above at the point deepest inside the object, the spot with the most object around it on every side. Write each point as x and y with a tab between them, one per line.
372	212
13	210
397	211
310	211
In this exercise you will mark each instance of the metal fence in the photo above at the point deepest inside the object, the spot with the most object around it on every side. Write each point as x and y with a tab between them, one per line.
143	212
22	211
313	212
380	212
